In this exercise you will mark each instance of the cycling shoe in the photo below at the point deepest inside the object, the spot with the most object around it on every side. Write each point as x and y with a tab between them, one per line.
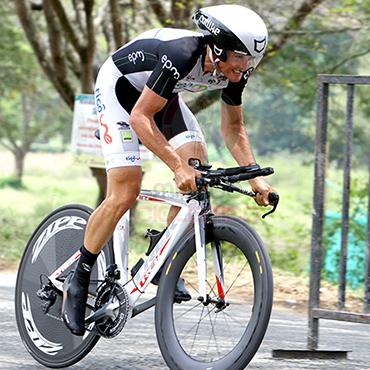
74	305
181	293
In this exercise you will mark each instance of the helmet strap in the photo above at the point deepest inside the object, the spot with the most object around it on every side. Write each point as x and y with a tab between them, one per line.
215	72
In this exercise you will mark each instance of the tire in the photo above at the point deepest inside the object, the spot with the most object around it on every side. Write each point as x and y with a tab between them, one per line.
193	336
54	241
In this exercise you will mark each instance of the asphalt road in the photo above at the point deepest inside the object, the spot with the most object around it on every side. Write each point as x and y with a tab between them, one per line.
136	348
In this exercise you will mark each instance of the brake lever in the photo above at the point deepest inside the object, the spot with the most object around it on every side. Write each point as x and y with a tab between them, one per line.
274	199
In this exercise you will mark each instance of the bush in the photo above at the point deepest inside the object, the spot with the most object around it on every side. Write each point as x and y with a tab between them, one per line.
10	182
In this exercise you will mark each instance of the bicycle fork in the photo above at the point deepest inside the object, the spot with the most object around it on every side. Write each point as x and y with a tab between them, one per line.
200	221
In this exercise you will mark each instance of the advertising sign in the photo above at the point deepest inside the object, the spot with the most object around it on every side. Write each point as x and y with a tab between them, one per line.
85	147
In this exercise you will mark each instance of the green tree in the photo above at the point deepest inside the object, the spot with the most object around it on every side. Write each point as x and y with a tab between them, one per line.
306	38
25	112
333	39
70	55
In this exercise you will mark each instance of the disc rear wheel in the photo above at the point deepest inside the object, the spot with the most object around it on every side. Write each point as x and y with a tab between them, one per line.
58	237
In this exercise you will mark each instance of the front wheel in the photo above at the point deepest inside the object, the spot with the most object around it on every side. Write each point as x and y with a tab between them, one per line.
195	335
58	237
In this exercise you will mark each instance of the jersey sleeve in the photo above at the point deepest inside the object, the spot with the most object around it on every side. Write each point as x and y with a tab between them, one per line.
232	93
176	58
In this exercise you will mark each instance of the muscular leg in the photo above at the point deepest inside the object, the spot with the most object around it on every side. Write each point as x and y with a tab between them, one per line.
123	189
186	151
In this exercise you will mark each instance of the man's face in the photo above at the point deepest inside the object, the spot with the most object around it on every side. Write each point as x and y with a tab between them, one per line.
235	65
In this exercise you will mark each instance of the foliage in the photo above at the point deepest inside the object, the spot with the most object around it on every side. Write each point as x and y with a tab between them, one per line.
306	38
285	125
356	250
17	59
49	182
333	39
30	110
10	181
286	259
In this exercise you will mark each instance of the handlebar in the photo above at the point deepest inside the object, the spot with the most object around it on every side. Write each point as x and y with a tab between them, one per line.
224	178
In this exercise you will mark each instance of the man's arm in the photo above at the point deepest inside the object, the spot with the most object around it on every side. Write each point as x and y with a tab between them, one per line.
142	121
236	139
233	132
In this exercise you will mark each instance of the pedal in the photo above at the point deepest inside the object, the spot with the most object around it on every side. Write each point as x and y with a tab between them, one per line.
136	267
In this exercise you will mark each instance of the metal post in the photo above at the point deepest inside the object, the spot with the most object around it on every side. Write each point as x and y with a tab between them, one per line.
318	213
315	313
367	273
346	196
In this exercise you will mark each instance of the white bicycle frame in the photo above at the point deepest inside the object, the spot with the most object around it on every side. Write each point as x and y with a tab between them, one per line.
190	213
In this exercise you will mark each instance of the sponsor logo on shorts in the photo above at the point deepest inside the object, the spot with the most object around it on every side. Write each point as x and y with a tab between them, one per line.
132	158
125	130
126	136
98	101
107	138
191	137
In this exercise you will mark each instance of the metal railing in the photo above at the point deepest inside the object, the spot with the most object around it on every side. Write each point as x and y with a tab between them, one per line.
318	216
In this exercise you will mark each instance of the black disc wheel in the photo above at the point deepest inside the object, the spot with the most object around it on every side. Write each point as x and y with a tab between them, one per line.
59	236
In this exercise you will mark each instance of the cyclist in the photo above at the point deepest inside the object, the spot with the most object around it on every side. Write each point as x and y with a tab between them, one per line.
137	98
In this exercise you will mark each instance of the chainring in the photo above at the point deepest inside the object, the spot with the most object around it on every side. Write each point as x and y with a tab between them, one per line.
110	327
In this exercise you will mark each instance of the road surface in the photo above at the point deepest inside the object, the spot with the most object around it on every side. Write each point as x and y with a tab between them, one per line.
136	348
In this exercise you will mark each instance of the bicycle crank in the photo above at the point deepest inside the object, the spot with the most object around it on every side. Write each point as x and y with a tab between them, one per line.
111	309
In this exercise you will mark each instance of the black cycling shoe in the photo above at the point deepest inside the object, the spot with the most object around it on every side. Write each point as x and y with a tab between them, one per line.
181	293
74	304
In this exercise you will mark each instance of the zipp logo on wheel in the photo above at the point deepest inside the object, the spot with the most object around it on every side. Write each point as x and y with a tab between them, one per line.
63	223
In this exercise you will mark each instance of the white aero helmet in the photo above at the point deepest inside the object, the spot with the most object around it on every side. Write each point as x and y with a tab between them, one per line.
235	28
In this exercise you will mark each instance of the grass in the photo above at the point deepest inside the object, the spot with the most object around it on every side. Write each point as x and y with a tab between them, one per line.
286	233
51	181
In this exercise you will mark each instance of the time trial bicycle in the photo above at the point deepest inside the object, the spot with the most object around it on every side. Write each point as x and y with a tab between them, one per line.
221	258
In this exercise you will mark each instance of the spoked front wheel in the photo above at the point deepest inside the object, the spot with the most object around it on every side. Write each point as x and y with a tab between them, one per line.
57	239
210	335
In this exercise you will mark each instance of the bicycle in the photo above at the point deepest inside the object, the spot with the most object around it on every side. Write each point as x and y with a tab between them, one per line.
220	327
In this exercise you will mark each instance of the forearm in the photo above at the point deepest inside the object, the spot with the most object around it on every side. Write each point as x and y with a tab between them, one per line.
238	144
